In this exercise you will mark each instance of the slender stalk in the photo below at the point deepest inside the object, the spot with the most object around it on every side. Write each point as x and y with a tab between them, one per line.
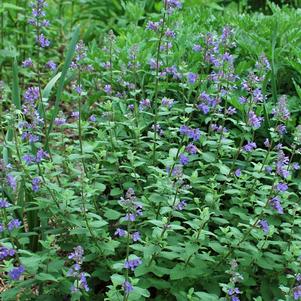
155	105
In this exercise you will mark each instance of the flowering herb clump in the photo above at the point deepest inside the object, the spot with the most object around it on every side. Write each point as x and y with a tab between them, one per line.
144	154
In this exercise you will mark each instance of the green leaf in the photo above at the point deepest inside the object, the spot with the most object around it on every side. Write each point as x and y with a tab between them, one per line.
45	277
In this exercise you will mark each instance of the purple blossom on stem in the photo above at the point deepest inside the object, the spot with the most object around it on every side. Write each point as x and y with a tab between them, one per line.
282	187
75	115
136	236
43	41
4	204
144	103
127	287
27	63
197	48
51	65
184	160
237	172
282	164
167	102
16	273
267	143
181	205
297	292
281	129
5	252
296	166
92	118
108	89
131	264
192	77
59	121
250	146
13	224
191	149
254	121
120	232
275	203
11	181
264	226
35	184
281	111
31	94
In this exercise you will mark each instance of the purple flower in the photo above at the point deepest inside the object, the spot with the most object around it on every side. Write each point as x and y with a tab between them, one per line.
92	118
170	33
250	146
193	133
5	252
267	143
75	115
42	41
264	226
131	264
237	172
59	121
296	166
192	77
51	65
281	111
297	292
144	103
181	205
254	121
120	232
32	94
41	154
27	63
282	187
258	96
154	26
4	204
108	89
275	203
13	224
131	107
281	129
36	184
233	294
167	102
78	89
83	282
191	149
268	169
136	236
77	255
282	164
153	64
11	181
197	48
130	217
28	159
184	160
242	99
16	273
231	111
127	286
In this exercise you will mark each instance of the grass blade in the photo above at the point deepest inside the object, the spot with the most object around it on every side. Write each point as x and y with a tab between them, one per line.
67	63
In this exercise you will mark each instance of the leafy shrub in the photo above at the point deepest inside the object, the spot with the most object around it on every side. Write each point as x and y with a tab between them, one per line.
165	166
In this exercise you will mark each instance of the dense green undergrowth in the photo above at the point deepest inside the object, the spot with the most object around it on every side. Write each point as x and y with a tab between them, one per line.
156	161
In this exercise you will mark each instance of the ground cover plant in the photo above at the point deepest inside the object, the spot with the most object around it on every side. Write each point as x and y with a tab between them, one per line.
156	160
